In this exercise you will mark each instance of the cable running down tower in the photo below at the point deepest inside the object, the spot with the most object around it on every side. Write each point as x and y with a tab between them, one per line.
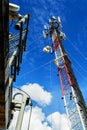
73	100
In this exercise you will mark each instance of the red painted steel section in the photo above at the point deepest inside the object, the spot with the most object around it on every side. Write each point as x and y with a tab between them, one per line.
56	43
63	71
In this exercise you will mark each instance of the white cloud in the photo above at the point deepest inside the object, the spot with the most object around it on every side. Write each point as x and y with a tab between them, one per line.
58	121
40	121
38	94
37	119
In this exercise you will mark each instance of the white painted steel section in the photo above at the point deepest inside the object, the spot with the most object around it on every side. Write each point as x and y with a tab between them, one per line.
78	108
65	105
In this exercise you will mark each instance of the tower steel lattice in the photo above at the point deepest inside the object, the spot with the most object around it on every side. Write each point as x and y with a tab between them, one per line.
71	94
11	51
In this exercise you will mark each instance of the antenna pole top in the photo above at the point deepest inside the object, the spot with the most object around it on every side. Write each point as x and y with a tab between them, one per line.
13	7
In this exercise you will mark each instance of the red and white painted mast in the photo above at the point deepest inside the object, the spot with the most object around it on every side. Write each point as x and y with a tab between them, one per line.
71	94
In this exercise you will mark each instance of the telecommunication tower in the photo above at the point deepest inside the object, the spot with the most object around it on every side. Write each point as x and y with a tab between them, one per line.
11	51
71	94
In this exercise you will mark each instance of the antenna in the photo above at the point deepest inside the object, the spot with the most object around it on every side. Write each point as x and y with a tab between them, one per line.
13	12
14	7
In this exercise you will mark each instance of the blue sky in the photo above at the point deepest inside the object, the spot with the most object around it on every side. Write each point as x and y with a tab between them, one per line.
37	67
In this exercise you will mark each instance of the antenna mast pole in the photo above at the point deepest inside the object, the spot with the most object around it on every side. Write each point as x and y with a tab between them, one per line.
73	100
12	47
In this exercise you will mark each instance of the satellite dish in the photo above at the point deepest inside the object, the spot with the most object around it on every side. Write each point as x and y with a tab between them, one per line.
13	7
